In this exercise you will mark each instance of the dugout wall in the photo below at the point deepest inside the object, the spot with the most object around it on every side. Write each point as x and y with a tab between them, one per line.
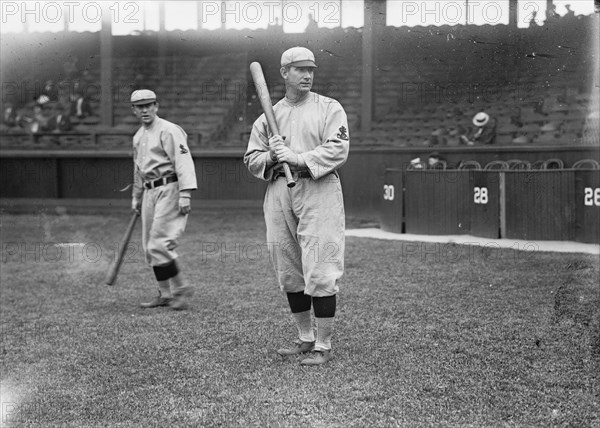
107	175
557	205
562	206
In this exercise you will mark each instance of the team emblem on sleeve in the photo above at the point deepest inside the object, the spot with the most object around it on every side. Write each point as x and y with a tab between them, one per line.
342	134
182	149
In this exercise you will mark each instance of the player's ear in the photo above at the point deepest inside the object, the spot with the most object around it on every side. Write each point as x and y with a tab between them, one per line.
284	72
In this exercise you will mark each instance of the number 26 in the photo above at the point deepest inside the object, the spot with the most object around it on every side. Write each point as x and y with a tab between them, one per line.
591	197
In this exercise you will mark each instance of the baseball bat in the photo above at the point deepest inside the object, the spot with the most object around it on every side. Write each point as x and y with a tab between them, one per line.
114	268
265	101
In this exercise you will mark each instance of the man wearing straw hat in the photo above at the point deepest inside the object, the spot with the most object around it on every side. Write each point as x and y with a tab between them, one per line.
484	132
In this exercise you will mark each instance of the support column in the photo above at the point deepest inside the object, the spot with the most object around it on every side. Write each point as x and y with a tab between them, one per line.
513	13
375	19
66	17
162	40
199	15
106	55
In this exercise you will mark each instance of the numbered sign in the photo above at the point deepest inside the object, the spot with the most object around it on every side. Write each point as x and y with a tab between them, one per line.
485	207
591	197
388	192
391	207
587	206
480	195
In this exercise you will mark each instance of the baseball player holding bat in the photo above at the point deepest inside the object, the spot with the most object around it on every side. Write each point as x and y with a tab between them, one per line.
305	223
164	178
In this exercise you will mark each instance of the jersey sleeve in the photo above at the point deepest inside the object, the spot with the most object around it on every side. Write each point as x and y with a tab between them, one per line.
174	140
257	153
137	189
332	153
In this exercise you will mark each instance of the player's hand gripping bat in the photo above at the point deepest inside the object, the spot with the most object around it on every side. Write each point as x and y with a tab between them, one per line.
114	268
265	101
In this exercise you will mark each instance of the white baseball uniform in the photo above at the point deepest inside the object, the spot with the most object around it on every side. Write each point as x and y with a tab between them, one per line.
161	152
305	224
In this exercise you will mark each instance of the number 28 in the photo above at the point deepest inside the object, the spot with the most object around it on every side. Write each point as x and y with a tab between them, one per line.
480	195
591	197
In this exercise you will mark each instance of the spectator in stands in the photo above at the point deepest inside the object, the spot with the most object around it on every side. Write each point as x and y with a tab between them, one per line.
455	134
9	116
80	105
416	164
39	121
50	90
515	117
570	13
60	120
277	27
438	137
312	24
533	23
538	105
42	100
484	132
551	15
71	67
435	161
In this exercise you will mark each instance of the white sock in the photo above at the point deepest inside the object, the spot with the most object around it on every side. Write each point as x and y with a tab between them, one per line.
164	288
304	324
178	282
324	333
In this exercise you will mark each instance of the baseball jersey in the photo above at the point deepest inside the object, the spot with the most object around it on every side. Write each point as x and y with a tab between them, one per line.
161	150
316	127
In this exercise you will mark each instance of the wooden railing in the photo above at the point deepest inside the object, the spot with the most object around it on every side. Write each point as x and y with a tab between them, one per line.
102	140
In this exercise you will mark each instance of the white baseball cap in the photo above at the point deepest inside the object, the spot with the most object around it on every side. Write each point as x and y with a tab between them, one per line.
481	118
298	57
143	96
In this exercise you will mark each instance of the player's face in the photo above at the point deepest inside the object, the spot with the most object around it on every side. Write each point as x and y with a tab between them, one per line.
146	112
300	79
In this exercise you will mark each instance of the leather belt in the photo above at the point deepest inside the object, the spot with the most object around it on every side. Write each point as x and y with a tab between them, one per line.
299	174
160	182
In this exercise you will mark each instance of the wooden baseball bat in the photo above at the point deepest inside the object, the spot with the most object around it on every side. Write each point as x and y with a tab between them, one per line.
265	101
114	268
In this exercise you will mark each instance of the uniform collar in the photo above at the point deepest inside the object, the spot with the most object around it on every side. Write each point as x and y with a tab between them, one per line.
300	102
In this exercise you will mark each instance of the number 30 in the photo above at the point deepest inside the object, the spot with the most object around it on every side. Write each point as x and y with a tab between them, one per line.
388	192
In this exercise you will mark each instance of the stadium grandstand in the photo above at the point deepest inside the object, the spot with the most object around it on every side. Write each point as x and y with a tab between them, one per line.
411	81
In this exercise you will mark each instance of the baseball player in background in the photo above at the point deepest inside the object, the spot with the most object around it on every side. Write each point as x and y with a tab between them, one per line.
305	224
164	178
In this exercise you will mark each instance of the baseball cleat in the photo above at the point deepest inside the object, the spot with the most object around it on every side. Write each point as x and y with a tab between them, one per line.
299	348
158	301
181	297
318	358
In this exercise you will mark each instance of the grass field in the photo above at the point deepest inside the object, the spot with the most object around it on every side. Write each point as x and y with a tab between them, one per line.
441	336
